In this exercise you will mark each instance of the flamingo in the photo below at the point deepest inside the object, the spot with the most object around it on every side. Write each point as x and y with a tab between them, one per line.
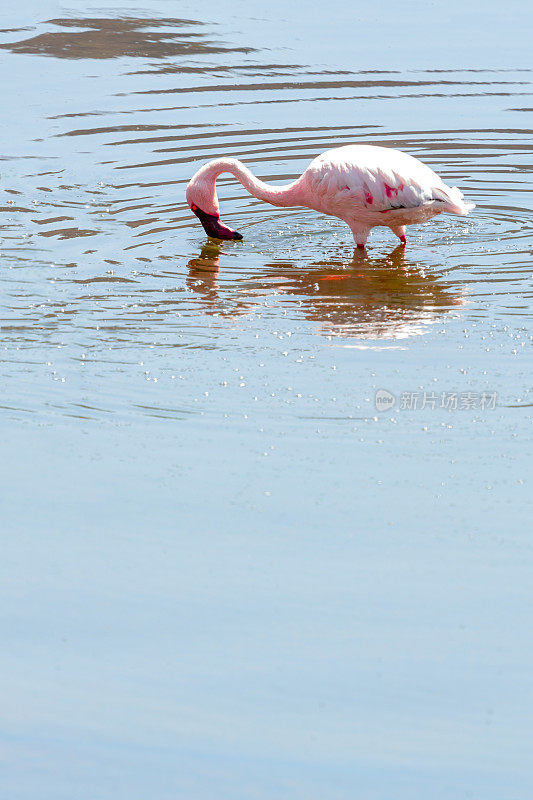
364	185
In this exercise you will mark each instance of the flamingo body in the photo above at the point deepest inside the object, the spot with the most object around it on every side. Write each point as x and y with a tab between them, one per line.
364	185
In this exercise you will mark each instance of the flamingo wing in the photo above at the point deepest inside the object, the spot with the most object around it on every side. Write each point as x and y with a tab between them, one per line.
382	179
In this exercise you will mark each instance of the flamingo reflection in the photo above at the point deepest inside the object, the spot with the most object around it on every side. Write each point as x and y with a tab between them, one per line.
390	297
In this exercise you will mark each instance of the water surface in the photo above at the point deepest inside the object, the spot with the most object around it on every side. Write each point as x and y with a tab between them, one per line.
225	570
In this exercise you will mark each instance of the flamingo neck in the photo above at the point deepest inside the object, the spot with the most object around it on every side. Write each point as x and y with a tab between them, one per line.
205	180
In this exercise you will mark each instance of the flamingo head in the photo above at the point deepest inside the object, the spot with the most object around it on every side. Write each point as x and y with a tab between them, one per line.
203	201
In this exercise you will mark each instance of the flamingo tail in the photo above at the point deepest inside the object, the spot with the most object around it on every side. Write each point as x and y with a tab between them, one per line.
454	200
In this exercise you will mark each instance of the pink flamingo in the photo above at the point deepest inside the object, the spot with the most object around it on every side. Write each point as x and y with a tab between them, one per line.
363	185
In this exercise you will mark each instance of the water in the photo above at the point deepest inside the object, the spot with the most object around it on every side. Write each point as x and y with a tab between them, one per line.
225	571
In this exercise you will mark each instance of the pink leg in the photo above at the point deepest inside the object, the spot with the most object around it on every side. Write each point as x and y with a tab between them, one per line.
400	233
360	234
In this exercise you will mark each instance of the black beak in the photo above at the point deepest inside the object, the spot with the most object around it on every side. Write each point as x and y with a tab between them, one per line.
213	226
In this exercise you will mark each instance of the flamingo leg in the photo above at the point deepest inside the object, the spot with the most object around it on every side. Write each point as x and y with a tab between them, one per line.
360	234
400	233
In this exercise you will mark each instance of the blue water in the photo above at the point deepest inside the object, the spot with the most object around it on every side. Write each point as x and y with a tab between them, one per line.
225	571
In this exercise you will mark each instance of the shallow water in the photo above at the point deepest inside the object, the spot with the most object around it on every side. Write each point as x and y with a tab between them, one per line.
226	572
